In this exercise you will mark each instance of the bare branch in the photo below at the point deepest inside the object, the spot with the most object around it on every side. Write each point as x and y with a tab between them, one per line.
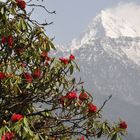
105	103
41	6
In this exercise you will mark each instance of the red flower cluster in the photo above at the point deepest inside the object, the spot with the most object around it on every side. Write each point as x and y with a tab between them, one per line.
66	100
45	56
8	40
83	96
28	77
123	125
21	4
8	136
68	97
65	60
72	95
2	75
16	117
37	73
71	57
92	108
3	40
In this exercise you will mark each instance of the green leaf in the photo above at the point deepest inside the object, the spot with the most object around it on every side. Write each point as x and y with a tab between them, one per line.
73	80
26	129
52	45
3	10
100	133
46	47
24	25
114	137
30	133
25	122
41	138
71	69
36	137
7	128
118	137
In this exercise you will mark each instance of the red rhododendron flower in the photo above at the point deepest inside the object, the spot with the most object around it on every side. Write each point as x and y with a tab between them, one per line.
10	41
48	58
21	4
3	40
27	76
72	57
82	138
64	60
44	54
8	136
83	96
2	75
72	95
92	108
37	73
123	125
16	117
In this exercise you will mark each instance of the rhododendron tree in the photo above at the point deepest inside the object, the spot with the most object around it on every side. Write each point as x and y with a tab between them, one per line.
40	98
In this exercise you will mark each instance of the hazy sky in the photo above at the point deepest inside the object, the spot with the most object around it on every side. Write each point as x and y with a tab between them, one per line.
73	16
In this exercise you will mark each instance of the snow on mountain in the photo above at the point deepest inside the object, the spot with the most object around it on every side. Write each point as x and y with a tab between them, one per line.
107	26
108	54
116	27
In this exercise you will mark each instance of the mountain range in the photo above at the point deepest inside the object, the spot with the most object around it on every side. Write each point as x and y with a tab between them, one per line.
108	54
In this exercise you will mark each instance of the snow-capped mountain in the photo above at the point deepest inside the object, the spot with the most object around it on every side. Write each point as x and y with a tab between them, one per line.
106	64
109	57
105	27
108	54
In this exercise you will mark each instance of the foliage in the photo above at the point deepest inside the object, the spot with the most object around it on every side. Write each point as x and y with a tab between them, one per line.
39	97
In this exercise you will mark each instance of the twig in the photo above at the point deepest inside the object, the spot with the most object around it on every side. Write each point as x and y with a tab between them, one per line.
41	6
104	103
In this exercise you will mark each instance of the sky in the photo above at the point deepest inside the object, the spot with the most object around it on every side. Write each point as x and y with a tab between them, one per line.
73	16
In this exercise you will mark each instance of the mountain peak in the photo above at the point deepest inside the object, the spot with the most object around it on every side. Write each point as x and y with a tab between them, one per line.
115	26
107	24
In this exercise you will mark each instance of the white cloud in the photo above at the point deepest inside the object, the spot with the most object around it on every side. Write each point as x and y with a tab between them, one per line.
130	12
